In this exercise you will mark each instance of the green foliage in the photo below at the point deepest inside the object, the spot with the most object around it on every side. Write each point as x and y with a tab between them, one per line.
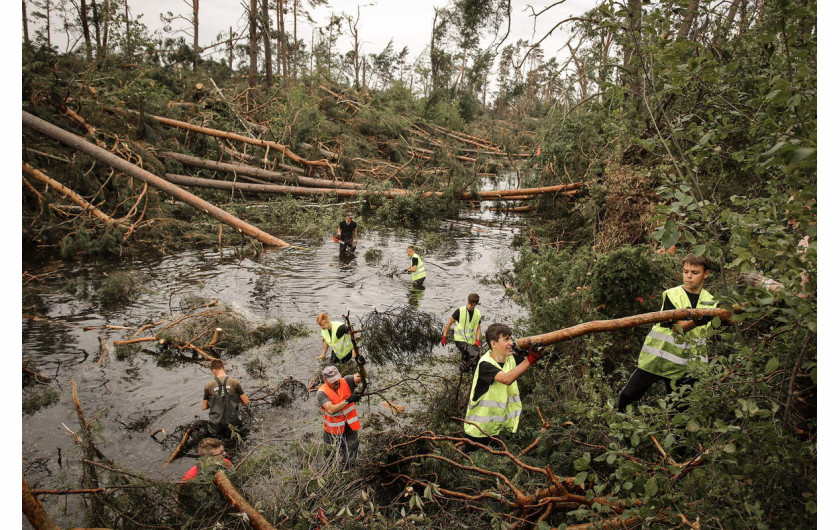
629	280
412	211
119	289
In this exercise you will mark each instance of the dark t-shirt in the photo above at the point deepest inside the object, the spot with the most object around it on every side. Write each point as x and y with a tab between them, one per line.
347	230
341	331
486	375
414	261
692	298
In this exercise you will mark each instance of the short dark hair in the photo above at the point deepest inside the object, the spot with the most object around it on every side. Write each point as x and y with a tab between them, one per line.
410	247
701	261
217	364
472	298
497	331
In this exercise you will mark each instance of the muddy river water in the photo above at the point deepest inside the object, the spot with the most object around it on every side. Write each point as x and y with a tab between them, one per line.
291	284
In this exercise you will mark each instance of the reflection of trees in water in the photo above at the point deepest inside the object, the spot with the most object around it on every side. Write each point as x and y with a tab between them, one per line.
415	295
264	290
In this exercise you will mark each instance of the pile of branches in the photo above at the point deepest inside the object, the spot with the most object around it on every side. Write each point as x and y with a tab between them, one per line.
400	334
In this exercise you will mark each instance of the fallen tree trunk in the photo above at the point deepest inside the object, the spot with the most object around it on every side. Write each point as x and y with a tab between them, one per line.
255	518
493	194
34	511
70	194
238	137
597	326
250	171
79	143
199	182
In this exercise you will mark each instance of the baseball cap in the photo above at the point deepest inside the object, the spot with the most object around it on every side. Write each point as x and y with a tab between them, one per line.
331	374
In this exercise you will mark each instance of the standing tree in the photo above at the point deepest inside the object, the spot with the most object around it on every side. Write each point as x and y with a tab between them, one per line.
265	23
252	44
192	20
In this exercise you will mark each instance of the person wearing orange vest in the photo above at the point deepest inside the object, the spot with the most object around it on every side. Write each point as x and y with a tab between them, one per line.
338	405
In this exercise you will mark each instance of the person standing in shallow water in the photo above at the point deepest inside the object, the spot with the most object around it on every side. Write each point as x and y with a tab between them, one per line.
467	336
222	396
337	401
415	267
347	234
669	346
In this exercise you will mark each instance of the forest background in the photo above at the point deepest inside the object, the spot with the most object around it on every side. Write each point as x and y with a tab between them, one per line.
792	163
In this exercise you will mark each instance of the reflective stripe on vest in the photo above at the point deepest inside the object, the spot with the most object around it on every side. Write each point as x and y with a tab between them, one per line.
499	408
667	353
341	347
465	329
420	272
334	423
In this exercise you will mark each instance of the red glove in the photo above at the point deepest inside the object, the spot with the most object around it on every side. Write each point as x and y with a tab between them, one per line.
443	340
478	341
335	239
535	352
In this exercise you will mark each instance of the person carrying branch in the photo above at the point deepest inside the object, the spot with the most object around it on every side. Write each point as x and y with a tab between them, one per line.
467	336
223	395
336	336
337	402
669	346
494	403
346	235
415	267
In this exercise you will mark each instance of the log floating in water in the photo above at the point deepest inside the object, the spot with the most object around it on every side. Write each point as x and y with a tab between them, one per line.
79	143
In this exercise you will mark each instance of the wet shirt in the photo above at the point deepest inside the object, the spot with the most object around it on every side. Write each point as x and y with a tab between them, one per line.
487	375
347	230
233	388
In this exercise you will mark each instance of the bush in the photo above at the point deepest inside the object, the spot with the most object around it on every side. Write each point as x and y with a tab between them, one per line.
119	289
628	281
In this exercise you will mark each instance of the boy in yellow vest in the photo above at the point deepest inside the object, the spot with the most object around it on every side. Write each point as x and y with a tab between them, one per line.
467	337
494	404
415	267
336	337
671	345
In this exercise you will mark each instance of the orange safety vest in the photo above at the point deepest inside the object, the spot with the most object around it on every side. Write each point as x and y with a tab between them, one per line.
334	423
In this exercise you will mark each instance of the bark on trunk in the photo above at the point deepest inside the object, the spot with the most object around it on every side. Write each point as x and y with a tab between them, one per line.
597	326
70	194
196	51
255	518
34	511
130	169
238	137
252	44
269	73
25	25
250	171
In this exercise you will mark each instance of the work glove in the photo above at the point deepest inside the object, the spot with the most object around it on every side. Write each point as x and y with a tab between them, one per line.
443	340
702	321
478	342
335	239
354	397
360	360
522	352
535	352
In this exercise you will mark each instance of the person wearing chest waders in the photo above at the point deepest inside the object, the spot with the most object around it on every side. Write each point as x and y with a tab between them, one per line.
670	346
415	267
223	395
467	336
208	447
337	402
335	336
494	403
347	236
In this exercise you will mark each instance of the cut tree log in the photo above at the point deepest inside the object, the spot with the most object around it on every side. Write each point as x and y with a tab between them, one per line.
199	182
238	137
34	511
597	326
79	143
251	171
233	496
70	194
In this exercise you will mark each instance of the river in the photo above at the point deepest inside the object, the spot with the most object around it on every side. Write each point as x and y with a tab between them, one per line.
291	284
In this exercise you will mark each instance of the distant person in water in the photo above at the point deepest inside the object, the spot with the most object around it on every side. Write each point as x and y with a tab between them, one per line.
212	447
347	234
222	396
415	267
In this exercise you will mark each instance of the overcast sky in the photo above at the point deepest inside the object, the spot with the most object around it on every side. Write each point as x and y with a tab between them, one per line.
407	22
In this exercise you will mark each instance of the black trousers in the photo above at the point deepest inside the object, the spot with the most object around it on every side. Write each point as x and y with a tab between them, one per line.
468	351
641	381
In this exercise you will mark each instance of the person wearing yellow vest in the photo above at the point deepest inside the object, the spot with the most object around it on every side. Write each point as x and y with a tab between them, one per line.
467	336
415	267
494	403
337	402
336	337
670	346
